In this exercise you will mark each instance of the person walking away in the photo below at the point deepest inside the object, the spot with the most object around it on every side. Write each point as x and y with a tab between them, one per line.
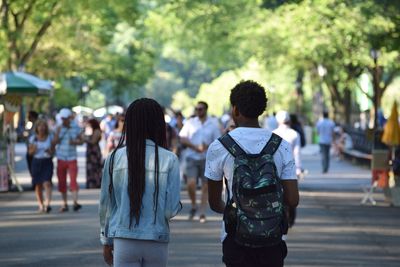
172	136
172	139
94	157
260	178
140	191
66	138
296	125
293	138
270	122
197	134
325	130
116	134
41	150
33	116
107	125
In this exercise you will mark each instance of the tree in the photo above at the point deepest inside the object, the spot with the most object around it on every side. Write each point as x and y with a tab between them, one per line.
335	34
215	32
63	40
24	24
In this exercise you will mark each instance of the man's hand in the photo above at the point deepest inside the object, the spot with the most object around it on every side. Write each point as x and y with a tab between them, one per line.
56	138
108	254
201	148
73	142
198	148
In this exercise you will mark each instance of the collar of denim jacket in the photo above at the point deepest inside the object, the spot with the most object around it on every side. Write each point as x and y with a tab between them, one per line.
150	142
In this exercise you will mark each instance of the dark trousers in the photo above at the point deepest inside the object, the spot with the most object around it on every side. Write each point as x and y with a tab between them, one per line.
235	255
29	162
29	159
325	153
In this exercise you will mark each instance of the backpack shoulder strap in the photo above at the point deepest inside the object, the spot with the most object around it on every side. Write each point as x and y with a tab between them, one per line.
230	145
272	145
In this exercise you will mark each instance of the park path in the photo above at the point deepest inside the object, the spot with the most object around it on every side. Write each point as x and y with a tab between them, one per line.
332	228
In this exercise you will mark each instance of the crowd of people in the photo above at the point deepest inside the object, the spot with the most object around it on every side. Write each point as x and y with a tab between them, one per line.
205	151
150	154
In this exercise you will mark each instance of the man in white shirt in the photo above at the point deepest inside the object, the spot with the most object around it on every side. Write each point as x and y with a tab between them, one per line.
197	134
325	129
248	102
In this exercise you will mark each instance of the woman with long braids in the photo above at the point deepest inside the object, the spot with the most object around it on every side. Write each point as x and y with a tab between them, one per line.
140	191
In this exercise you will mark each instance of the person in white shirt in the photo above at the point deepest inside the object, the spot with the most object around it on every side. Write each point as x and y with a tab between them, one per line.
325	129
197	134
270	122
248	102
293	138
41	150
290	135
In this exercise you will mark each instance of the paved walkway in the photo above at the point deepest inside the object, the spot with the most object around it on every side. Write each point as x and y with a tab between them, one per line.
332	228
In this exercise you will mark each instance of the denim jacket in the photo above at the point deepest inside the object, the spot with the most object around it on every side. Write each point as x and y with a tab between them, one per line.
114	211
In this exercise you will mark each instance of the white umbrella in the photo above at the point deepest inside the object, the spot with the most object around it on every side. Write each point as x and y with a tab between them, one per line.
114	109
82	110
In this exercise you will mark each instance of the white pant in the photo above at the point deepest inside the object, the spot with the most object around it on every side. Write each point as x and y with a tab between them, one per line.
139	253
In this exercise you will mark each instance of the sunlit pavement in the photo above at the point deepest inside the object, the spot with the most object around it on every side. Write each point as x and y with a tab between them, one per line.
332	228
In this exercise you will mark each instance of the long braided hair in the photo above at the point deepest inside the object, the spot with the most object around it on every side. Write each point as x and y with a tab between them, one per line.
144	119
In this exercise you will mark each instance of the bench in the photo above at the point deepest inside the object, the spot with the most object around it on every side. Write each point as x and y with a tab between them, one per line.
358	156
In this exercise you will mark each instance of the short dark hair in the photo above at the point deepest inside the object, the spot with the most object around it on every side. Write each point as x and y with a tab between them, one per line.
94	124
203	103
33	114
249	98
325	114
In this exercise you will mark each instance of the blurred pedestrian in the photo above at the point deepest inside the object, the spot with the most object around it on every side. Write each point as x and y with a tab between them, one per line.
325	129
94	163
270	122
341	142
41	150
172	139
116	134
66	138
107	125
293	138
296	125
140	191
197	134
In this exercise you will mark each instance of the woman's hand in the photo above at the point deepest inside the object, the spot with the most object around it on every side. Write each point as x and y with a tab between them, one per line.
108	254
32	149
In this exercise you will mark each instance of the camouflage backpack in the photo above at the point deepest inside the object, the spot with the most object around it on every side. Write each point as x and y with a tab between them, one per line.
255	213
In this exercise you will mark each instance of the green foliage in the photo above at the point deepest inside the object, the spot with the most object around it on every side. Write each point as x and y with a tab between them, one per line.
215	32
63	39
64	97
95	99
198	49
183	102
338	35
216	93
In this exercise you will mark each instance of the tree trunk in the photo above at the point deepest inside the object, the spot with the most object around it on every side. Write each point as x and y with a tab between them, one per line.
347	106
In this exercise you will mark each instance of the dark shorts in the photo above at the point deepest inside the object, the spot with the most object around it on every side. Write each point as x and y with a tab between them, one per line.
195	168
235	255
42	170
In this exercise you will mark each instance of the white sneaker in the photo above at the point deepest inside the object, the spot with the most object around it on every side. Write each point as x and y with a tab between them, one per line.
202	218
